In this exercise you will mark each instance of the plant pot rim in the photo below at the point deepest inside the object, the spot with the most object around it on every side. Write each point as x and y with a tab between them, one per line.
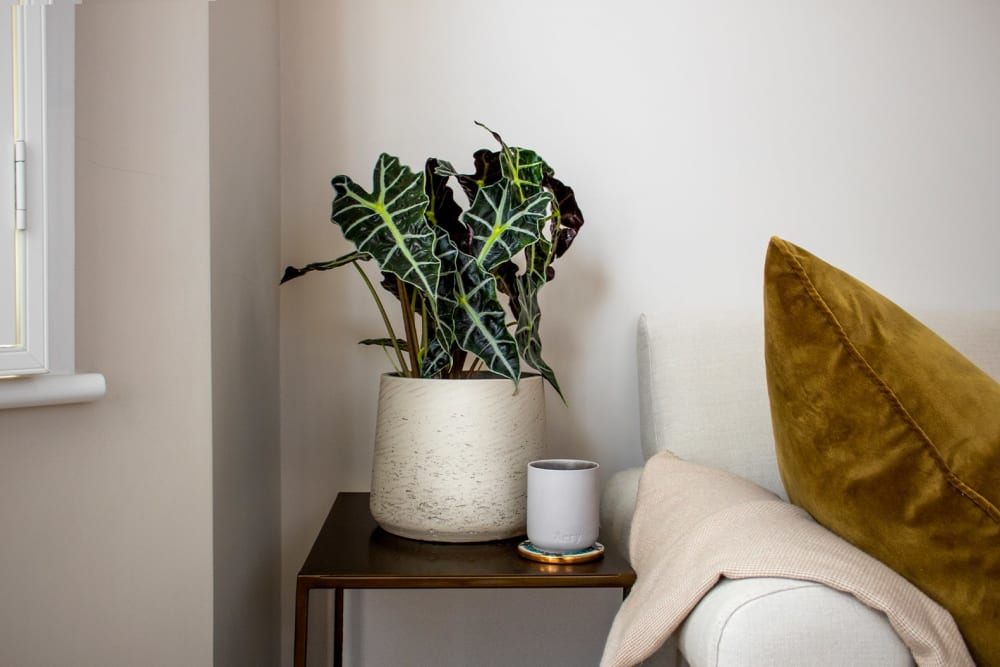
476	376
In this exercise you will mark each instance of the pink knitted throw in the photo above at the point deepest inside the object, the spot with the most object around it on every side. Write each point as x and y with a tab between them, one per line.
695	524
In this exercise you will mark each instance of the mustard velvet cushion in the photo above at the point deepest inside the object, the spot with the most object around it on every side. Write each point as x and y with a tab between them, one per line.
887	435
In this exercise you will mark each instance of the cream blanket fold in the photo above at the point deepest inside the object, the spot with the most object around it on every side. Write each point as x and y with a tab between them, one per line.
695	524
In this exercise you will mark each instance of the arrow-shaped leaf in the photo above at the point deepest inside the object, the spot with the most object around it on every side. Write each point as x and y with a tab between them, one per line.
470	316
528	337
389	222
480	321
502	227
438	356
529	315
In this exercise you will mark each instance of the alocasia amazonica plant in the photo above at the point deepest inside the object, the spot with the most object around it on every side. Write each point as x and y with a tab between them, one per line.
448	267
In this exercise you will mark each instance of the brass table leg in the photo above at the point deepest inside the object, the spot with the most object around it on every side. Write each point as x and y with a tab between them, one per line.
338	628
301	621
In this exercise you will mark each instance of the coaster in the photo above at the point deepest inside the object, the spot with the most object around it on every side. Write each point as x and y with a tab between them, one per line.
528	550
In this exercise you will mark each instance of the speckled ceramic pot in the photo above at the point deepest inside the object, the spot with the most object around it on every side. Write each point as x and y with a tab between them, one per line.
451	456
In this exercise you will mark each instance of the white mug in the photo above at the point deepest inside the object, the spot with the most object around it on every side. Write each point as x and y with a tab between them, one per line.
563	504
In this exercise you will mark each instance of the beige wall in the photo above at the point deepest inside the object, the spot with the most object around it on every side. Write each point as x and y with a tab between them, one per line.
692	132
143	529
243	55
105	508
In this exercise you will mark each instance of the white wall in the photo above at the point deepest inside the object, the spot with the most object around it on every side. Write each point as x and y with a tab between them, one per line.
105	508
692	132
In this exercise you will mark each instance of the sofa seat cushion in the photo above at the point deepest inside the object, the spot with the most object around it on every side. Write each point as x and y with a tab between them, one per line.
886	435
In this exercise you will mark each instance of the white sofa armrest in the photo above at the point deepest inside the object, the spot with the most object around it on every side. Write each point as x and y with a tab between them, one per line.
762	620
773	621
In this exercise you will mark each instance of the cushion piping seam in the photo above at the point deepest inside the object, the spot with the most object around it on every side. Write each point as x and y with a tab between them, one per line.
953	479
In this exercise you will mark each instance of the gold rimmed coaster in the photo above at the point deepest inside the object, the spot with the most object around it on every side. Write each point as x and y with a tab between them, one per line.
528	550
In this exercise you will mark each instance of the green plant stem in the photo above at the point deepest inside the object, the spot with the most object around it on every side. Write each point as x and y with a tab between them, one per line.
412	340
392	362
385	317
424	327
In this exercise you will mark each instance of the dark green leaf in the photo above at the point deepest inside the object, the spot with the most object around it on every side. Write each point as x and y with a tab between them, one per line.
502	227
480	321
506	277
538	258
389	222
292	272
526	170
470	317
436	360
529	316
527	333
438	357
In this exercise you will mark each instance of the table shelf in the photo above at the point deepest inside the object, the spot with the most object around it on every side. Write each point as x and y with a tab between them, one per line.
351	551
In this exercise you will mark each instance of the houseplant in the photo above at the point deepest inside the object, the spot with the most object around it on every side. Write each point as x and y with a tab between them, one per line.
466	280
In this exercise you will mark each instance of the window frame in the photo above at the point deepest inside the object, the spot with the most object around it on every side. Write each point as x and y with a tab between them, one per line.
43	360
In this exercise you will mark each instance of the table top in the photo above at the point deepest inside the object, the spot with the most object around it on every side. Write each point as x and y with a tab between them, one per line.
352	551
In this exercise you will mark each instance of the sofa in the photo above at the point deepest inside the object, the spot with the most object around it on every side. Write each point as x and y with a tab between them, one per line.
703	395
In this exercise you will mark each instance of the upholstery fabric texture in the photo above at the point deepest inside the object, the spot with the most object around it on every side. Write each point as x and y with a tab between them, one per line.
703	391
694	524
887	435
737	623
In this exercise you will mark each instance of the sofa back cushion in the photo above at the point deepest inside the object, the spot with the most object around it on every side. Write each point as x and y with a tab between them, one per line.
703	392
703	388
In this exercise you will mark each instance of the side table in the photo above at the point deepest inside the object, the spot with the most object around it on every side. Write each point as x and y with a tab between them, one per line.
351	551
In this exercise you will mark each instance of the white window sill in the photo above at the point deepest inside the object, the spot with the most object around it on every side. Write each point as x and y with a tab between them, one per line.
37	390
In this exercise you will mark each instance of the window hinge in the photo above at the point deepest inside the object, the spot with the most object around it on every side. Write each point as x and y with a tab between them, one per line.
20	205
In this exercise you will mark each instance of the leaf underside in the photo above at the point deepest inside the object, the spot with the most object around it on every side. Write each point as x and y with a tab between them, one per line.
292	272
385	342
442	210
